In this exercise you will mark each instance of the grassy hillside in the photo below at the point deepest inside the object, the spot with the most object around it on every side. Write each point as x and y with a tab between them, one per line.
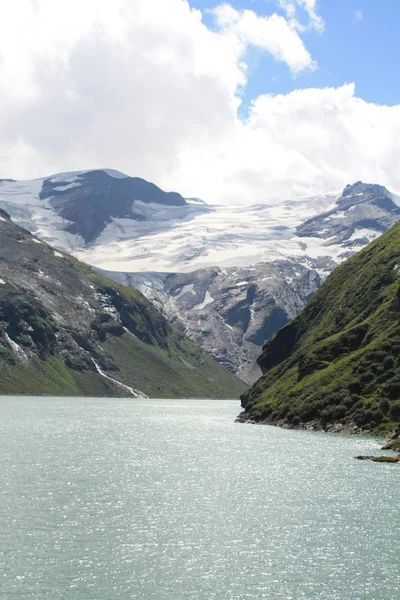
65	330
339	360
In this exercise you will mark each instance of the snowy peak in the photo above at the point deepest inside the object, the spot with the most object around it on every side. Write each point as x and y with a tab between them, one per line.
360	214
91	200
360	193
69	210
360	188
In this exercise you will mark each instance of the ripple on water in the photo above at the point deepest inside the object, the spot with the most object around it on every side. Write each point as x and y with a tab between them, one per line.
121	499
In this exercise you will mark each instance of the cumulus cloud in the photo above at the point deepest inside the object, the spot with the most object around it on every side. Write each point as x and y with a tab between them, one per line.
144	86
272	34
291	7
306	142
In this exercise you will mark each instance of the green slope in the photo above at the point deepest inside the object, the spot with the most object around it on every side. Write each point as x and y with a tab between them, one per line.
339	360
64	330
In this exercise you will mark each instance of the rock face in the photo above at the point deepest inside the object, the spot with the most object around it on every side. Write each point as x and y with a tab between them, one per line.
65	330
231	312
227	276
338	362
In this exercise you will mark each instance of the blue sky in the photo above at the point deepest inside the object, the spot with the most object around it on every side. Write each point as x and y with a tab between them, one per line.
360	44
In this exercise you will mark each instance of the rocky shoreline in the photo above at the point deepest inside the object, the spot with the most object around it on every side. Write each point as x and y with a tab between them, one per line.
392	443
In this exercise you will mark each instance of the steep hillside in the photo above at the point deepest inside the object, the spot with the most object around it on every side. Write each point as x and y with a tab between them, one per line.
67	331
338	363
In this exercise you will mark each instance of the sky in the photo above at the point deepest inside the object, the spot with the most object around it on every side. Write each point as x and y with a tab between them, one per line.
244	101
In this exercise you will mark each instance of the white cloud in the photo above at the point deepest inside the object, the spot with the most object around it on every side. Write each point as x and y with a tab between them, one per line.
145	87
273	34
305	142
291	7
358	15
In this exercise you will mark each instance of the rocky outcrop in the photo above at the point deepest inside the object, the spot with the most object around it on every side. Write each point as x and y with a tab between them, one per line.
230	312
380	459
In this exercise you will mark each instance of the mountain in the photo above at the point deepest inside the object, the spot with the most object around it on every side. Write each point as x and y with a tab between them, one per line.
65	330
227	276
337	364
230	312
71	210
362	212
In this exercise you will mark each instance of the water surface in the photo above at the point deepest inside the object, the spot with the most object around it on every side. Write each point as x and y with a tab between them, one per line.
105	499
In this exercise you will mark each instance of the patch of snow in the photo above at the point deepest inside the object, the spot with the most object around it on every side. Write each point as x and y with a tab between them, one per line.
135	393
36	241
195	201
85	303
207	300
70	177
107	306
241	283
2	219
115	174
130	332
2	282
16	349
186	289
370	234
63	188
323	273
188	365
58	254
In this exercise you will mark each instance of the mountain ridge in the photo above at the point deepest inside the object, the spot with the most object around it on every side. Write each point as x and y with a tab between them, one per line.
203	264
65	330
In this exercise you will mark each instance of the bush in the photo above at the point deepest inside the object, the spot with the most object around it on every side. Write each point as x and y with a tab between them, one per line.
363	417
333	413
355	386
308	412
388	362
392	389
366	377
384	405
395	410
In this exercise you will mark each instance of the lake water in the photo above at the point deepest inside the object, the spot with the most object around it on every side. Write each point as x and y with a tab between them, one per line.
104	499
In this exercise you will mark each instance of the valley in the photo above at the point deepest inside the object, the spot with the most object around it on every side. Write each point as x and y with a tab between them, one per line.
228	276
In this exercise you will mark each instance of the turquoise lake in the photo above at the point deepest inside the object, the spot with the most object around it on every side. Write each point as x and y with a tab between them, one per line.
107	499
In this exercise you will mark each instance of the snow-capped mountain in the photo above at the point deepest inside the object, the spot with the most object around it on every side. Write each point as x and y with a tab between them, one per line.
362	212
229	276
72	210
